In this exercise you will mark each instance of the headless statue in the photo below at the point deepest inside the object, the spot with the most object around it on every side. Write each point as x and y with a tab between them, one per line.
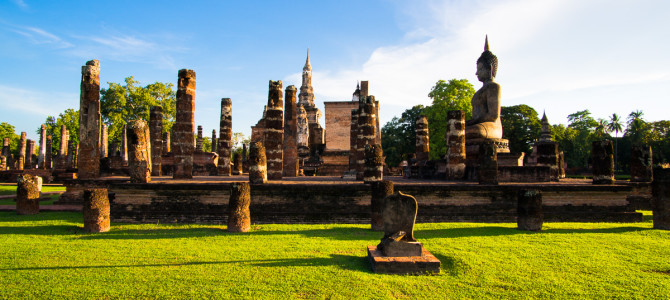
485	122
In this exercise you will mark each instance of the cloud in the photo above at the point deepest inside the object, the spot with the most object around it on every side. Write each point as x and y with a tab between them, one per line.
36	103
39	36
21	4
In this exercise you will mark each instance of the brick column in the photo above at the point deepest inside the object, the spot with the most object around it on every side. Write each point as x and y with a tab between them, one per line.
660	190
166	143
198	140
603	162
43	148
257	164
380	189
28	194
139	152
6	153
274	131
641	163
184	125
455	145
214	142
290	133
48	161
71	159
547	155
124	144
88	155
529	210
488	164
237	164
353	140
96	210
30	150
239	219
156	133
366	129
22	152
225	137
374	163
104	141
422	142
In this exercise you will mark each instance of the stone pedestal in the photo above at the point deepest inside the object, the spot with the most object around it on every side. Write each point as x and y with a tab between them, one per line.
88	154
425	264
28	194
529	210
602	154
184	126
156	132
422	142
139	152
239	219
547	155
456	145
96	210
472	148
641	164
660	189
225	144
380	190
374	163
257	164
487	171
274	131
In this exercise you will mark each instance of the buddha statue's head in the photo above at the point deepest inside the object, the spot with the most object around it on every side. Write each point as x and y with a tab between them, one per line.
487	64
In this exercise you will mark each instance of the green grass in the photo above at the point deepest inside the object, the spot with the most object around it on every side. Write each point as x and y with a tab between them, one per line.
49	256
11	190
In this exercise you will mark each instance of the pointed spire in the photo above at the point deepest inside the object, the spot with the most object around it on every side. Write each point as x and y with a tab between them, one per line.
544	116
307	64
486	43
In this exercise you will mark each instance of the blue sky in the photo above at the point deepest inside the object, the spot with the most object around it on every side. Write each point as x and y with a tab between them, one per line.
559	56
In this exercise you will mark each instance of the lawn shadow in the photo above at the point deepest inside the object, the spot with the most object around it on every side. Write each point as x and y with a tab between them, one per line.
498	231
143	234
42	230
12	216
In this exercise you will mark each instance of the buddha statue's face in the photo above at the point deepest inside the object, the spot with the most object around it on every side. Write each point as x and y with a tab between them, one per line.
483	72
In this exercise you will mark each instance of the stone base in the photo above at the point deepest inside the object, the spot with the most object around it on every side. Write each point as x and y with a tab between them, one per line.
426	264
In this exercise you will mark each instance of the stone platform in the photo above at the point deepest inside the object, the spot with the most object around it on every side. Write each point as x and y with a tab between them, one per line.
426	264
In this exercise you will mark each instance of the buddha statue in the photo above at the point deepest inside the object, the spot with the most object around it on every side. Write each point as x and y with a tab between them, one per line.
485	122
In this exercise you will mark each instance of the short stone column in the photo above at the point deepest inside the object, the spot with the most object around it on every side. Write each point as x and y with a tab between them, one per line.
274	131
422	141
353	138
22	152
257	164
487	171
41	157
374	163
104	141
239	219
30	150
198	140
182	130
547	155
290	133
455	145
603	162
214	141
641	163
529	210
47	154
380	189
88	153
225	137
96	210
28	194
156	132
237	164
660	190
139	152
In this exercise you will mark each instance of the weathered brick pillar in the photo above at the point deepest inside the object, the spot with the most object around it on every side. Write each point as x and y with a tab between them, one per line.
139	152
214	141
48	160
641	163
96	210
290	133
660	190
353	139
422	145
225	137
603	162
41	157
274	131
455	144
257	163
198	140
28	194
488	164
374	163
183	128
88	155
366	130
30	150
166	143
239	219
104	141
380	189
3	163
529	210
62	149
71	158
561	165
156	132
245	159
547	155
303	128
237	164
113	148
124	144
6	153
22	152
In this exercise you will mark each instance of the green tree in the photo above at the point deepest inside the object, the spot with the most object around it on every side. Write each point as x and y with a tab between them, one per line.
615	125
69	118
122	103
8	131
638	130
453	95
584	126
521	126
399	135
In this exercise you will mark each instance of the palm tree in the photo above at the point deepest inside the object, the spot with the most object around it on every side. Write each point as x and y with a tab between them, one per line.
635	126
601	127
615	125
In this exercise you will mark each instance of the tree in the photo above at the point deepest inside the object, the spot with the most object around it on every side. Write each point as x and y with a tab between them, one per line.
122	103
8	131
615	125
521	126
638	130
399	135
584	127
69	118
453	95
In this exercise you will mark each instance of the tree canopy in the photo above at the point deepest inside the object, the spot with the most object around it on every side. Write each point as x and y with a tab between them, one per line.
399	135
8	131
453	95
521	127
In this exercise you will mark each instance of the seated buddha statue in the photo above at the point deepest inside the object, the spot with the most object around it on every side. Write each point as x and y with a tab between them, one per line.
485	122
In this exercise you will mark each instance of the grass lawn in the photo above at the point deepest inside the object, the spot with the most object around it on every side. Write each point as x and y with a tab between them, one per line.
48	256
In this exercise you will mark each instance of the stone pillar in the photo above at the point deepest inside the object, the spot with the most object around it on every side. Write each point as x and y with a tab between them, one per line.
156	132
353	139
88	155
184	125
71	159
374	163
166	143
366	130
274	131
22	152
64	139
488	164
30	150
529	210
455	145
104	141
198	140
214	141
239	219
547	155
257	164
225	137
561	165
245	159
7	153
603	162
139	152
48	160
237	164
422	146
96	210
290	133
28	194
3	163
41	157
660	190
641	163
380	189
113	148
303	128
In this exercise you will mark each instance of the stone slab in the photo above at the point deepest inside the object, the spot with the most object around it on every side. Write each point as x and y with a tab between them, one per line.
426	264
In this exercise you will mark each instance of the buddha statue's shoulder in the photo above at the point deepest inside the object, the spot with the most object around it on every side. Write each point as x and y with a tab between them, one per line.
491	88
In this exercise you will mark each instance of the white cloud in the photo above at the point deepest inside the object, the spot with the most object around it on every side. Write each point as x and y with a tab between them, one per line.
36	103
40	36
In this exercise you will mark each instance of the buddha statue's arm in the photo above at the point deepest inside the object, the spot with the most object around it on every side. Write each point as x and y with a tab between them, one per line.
492	95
